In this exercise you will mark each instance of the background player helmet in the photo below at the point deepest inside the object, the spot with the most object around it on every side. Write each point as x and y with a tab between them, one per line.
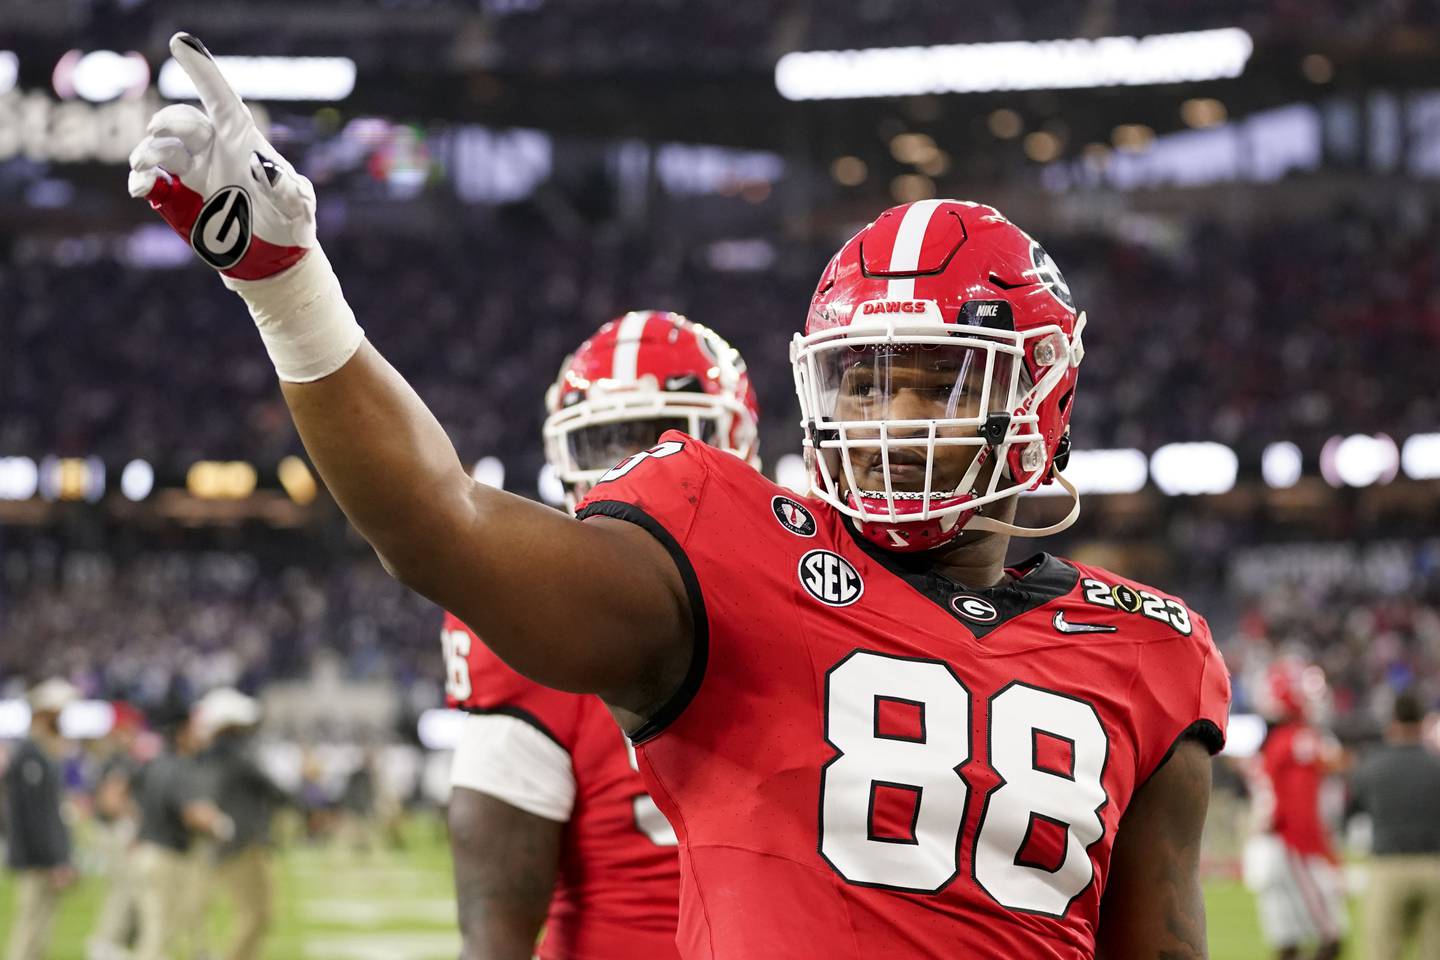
1293	691
952	286
638	376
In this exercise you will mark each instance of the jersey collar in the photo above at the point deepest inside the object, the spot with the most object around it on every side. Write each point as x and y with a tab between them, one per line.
1034	582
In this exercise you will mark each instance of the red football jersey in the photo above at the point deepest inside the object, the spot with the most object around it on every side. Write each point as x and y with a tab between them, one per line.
867	760
616	896
1290	772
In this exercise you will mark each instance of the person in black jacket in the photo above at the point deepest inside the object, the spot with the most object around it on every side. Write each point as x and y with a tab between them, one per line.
245	793
1397	785
177	808
39	852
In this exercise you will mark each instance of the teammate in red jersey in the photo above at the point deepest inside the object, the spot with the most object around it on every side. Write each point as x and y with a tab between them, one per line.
550	823
1291	864
871	738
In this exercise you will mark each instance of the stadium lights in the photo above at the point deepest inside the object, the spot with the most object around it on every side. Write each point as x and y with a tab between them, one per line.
19	478
790	472
439	729
1021	65
298	481
137	480
1420	457
1281	465
551	490
1102	471
1244	734
220	480
270	78
81	720
72	478
1359	460
1189	469
490	472
100	75
9	71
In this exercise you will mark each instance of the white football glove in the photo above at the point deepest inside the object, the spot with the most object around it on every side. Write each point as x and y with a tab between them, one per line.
243	208
218	182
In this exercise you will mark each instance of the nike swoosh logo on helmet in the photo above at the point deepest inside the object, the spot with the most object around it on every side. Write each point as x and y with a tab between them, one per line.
1065	626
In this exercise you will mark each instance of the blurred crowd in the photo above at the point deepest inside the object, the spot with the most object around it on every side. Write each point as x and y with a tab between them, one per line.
1293	331
159	627
1371	642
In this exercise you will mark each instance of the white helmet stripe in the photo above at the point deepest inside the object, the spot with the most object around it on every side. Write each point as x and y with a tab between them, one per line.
908	241
627	345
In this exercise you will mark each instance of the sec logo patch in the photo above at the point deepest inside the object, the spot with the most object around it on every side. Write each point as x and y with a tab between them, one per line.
830	578
793	516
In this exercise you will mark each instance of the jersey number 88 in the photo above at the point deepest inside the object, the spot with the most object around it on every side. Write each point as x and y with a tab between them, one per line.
927	765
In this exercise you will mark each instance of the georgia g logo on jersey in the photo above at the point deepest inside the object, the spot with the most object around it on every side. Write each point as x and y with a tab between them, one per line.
221	233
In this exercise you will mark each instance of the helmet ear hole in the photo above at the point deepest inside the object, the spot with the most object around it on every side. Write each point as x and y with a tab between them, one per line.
1065	401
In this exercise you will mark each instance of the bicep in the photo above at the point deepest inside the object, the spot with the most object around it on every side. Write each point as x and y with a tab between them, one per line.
590	607
506	861
1154	908
575	606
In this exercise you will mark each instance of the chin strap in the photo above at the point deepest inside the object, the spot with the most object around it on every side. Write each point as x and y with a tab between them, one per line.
991	525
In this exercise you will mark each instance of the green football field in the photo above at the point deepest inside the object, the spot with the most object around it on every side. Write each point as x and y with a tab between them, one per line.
396	905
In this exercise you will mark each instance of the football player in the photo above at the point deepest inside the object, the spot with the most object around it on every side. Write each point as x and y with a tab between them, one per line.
871	737
550	822
1291	863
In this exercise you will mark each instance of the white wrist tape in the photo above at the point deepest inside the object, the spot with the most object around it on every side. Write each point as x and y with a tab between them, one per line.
308	328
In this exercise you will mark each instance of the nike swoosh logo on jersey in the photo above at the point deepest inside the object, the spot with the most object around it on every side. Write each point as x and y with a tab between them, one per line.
1065	626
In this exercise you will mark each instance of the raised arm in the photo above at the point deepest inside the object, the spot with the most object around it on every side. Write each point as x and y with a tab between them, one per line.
522	575
1153	907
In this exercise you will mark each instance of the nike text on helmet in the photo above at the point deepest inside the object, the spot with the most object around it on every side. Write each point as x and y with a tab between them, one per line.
940	325
638	376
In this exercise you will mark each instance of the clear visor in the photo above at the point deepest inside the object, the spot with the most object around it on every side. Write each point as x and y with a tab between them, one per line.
912	382
601	446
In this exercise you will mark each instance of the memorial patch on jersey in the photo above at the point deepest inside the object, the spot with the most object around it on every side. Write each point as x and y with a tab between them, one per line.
793	516
1118	596
830	578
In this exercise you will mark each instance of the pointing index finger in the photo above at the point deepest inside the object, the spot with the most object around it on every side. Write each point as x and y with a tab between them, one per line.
227	111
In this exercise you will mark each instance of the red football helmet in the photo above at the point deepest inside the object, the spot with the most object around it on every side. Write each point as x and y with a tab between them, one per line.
638	376
940	325
1294	691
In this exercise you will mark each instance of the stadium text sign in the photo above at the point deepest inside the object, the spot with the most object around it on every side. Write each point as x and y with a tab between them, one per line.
40	128
1018	65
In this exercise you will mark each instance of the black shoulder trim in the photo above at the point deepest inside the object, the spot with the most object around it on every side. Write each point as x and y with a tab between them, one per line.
1205	732
669	711
519	713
